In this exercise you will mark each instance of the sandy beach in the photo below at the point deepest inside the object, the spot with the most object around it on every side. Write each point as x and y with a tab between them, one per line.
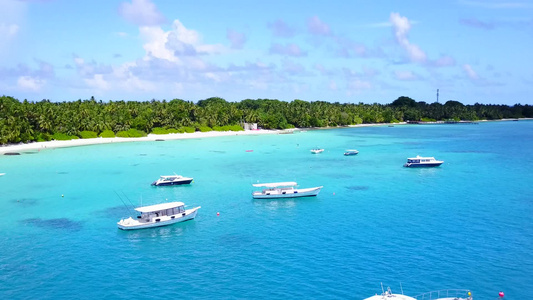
17	148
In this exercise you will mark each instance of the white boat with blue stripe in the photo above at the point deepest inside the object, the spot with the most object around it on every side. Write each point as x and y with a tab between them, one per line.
283	190
159	215
172	180
351	152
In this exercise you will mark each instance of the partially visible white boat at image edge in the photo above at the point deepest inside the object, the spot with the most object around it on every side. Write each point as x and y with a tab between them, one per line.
449	294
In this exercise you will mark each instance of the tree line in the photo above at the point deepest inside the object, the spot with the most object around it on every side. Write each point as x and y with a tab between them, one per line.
45	120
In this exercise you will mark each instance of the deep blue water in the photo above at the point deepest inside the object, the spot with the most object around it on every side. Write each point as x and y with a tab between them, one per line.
467	224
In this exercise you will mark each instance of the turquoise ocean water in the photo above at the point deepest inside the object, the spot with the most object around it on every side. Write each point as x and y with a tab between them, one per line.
467	224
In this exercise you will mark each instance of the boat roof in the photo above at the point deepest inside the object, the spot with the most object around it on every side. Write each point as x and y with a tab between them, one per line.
352	150
158	207
276	184
422	157
166	176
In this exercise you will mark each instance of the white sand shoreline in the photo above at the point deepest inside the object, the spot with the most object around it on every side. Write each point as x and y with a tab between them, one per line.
37	146
17	148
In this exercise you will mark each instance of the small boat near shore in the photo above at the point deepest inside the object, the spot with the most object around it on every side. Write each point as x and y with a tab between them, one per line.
350	152
172	180
422	162
284	190
449	294
317	150
159	215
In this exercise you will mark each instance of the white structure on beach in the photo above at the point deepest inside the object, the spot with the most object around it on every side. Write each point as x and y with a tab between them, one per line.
249	126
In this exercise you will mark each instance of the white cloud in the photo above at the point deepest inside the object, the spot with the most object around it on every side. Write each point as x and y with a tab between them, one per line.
332	85
444	61
176	43
8	30
133	83
290	50
292	68
281	29
236	39
97	82
141	12
358	85
405	75
30	83
317	27
401	27
470	72
155	43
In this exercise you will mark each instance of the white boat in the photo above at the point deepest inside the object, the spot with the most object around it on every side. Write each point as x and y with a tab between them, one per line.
351	152
317	150
2	174
172	180
283	190
450	294
421	162
159	215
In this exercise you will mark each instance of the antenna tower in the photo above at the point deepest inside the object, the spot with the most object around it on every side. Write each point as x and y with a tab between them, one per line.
437	95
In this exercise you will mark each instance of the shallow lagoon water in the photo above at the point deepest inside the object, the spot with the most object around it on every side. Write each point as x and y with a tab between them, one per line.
466	224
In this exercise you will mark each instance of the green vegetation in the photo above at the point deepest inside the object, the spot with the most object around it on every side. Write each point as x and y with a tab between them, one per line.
41	121
204	128
131	133
58	136
107	134
228	128
88	134
159	130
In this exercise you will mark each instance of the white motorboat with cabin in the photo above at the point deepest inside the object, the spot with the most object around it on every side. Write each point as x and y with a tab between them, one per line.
422	162
351	152
283	190
450	294
172	180
317	150
159	215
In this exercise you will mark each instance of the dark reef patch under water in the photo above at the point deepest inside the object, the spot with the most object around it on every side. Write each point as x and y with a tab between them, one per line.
358	187
59	223
25	201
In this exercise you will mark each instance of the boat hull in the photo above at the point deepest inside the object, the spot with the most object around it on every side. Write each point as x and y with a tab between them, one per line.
428	165
179	182
132	224
296	193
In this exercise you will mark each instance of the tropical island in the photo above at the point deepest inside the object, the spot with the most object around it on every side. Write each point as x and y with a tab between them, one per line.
26	122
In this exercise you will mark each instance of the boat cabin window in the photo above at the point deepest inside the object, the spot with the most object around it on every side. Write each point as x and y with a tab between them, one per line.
180	209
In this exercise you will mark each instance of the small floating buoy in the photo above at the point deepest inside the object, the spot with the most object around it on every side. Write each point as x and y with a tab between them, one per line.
501	294
218	214
249	150
333	193
62	195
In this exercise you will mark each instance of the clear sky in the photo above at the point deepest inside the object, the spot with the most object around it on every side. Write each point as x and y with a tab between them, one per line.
347	51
